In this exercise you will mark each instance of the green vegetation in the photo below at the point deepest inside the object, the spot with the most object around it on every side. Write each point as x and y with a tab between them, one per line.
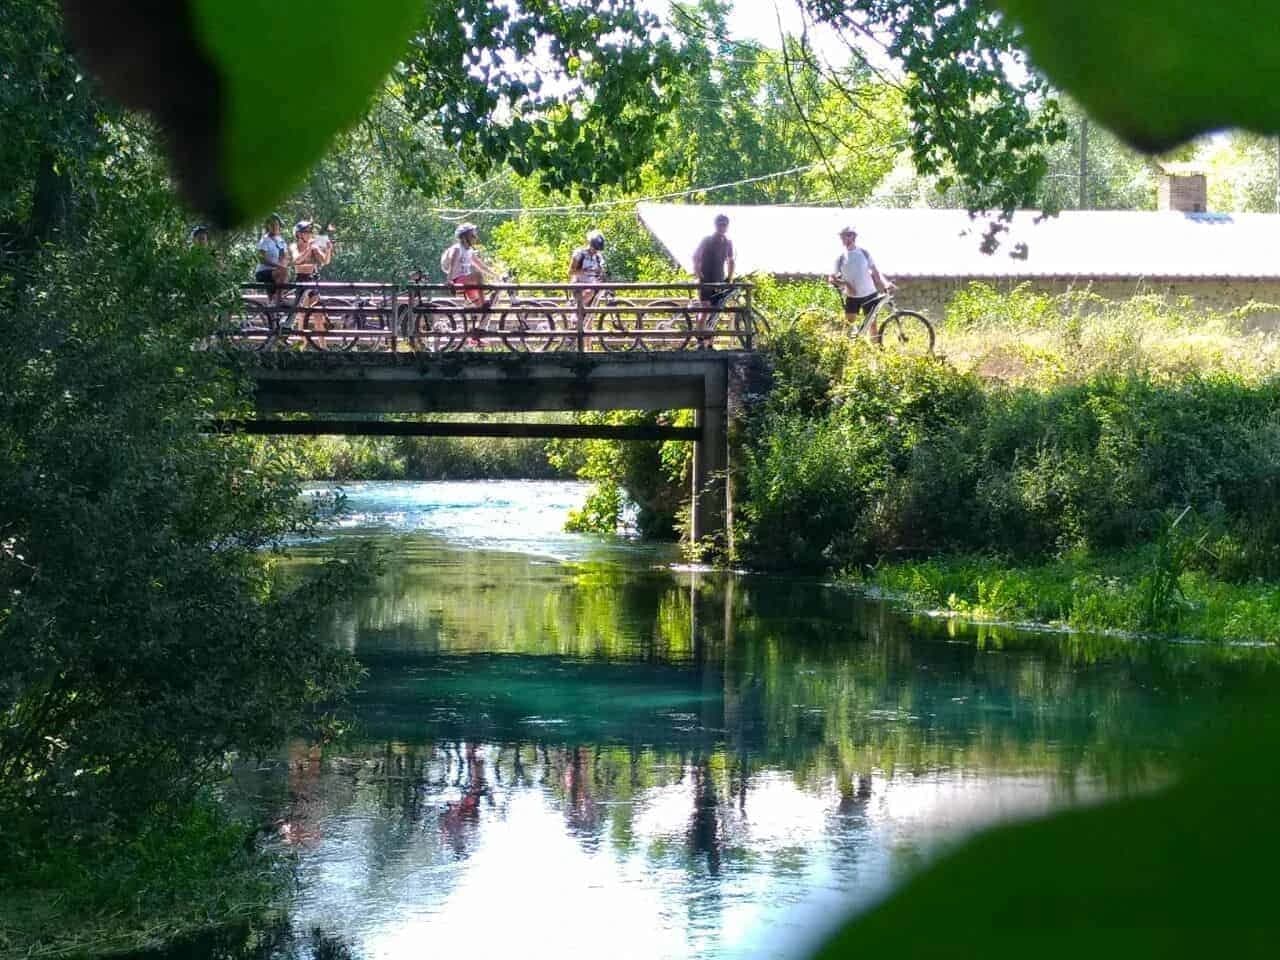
175	875
1105	423
1126	878
1131	591
144	637
424	458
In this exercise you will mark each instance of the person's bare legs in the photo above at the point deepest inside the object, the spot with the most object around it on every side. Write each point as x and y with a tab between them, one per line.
279	277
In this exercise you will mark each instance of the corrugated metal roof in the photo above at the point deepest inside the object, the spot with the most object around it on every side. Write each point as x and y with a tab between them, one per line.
803	242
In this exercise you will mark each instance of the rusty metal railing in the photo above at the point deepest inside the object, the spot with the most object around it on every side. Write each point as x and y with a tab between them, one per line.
527	317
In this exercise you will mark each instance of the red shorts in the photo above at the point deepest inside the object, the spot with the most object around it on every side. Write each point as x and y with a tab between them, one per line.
470	289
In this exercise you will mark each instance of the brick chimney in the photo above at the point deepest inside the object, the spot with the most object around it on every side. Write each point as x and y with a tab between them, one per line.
1183	188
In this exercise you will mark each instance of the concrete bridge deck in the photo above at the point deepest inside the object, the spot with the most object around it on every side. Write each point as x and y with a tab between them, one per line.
329	386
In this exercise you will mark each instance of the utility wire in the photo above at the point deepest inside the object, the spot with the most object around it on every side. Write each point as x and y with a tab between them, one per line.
460	212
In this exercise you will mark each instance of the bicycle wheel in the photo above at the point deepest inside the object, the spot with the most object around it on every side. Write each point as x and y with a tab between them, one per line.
378	335
437	330
346	323
311	323
610	330
382	319
530	331
744	332
260	329
908	333
666	325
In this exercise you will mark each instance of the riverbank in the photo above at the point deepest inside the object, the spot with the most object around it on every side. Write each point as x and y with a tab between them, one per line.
1085	433
1124	592
348	459
183	874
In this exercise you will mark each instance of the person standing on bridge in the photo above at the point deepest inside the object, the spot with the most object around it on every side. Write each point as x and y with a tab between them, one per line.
586	265
713	266
463	267
273	258
309	257
857	278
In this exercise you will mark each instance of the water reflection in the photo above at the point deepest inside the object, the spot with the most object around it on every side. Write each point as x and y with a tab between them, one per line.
686	764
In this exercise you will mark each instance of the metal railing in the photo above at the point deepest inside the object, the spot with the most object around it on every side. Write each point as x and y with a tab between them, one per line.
522	318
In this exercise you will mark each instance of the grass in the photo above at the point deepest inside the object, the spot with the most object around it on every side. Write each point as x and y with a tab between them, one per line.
117	894
1028	337
1086	592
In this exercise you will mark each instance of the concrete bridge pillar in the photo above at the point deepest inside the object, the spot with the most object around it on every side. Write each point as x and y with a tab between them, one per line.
712	511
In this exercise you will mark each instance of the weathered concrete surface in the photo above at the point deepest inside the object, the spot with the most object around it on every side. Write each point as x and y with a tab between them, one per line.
484	383
492	383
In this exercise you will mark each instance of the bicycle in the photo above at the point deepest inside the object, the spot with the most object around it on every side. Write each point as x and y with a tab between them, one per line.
673	324
624	331
900	331
446	324
727	304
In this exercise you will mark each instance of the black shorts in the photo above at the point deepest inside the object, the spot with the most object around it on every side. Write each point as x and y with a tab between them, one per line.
714	293
264	274
862	304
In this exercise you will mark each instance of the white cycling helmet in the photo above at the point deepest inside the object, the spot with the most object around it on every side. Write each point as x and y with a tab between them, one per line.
463	229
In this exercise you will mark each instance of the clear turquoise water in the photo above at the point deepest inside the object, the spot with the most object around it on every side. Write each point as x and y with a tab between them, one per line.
570	747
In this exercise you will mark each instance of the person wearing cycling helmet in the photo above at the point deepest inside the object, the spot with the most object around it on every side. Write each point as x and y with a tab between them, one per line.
307	255
273	258
857	278
199	235
587	266
463	266
309	258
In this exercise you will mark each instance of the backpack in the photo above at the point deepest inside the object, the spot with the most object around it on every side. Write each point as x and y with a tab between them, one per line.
446	261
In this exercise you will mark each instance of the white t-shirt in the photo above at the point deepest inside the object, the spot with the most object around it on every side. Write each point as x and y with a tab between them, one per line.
457	261
273	249
854	267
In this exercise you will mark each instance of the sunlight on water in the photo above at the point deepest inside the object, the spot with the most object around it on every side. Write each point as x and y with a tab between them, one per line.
569	746
512	515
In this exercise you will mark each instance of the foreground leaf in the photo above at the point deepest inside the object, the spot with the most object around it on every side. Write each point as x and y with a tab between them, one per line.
1153	876
249	93
1159	72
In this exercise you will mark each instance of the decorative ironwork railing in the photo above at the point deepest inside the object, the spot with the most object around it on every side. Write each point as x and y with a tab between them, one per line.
528	317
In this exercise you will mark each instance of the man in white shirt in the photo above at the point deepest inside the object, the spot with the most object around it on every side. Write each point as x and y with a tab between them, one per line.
858	279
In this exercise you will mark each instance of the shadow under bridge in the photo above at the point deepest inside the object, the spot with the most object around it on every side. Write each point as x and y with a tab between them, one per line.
364	393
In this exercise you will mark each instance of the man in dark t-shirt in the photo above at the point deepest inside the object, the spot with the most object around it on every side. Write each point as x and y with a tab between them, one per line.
713	264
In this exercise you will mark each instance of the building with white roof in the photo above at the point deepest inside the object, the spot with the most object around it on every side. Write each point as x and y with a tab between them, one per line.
1220	261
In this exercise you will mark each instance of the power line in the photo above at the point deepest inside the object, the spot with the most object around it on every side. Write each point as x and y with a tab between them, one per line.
448	213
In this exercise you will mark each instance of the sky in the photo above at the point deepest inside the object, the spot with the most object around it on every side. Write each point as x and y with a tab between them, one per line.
759	20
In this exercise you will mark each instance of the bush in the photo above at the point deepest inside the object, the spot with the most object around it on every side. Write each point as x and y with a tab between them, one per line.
859	455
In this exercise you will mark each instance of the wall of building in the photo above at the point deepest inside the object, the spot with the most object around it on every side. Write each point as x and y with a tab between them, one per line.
931	296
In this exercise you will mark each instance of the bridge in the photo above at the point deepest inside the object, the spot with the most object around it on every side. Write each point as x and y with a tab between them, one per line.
363	358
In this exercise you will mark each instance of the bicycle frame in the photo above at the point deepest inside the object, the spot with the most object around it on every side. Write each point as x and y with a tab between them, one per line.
882	308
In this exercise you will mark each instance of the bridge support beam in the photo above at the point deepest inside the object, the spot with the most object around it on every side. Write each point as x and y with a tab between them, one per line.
713	385
710	510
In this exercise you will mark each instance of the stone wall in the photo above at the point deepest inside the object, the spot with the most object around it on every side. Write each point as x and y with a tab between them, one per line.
931	296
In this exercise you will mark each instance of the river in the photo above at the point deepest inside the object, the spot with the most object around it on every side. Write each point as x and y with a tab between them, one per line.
566	746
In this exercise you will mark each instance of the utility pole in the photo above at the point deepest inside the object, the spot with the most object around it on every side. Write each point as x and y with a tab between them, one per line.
1084	163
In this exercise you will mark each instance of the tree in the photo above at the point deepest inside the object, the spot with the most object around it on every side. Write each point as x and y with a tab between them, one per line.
969	93
142	634
1116	176
1242	173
